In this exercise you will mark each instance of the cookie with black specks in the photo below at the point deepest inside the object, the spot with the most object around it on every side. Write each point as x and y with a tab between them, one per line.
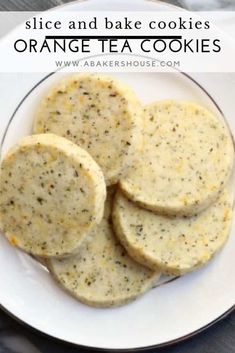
98	113
186	160
176	245
102	274
51	194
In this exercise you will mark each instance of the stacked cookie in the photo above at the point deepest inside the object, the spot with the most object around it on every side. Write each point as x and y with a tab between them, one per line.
173	210
112	194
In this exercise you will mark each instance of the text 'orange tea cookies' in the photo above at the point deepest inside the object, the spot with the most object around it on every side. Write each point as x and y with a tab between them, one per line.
186	161
176	245
51	194
102	274
100	114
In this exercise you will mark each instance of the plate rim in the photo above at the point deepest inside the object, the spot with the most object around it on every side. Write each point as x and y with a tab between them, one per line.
102	349
170	343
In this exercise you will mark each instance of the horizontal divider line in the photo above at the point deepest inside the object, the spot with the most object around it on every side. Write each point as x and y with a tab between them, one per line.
113	37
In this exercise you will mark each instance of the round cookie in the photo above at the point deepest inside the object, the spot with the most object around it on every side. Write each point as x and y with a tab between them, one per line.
186	160
51	194
102	274
98	113
175	245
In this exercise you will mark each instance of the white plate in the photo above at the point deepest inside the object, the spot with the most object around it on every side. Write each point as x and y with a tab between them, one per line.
167	313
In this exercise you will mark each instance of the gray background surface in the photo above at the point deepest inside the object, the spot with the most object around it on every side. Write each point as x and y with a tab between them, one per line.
15	337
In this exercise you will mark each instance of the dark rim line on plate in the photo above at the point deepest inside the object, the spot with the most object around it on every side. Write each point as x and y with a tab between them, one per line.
161	345
122	350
